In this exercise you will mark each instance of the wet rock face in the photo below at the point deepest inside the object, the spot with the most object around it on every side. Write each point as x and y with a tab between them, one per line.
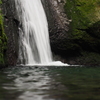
11	30
58	23
56	15
67	37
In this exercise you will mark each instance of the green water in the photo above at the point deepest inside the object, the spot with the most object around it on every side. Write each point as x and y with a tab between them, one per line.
50	83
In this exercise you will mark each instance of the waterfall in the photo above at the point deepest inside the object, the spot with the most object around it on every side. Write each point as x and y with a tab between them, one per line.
34	47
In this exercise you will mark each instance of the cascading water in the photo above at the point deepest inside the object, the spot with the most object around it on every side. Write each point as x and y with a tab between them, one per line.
34	45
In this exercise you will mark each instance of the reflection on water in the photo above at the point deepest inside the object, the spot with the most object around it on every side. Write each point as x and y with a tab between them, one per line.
50	83
31	83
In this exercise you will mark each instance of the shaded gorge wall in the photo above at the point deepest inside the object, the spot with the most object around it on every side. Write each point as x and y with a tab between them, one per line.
74	29
84	30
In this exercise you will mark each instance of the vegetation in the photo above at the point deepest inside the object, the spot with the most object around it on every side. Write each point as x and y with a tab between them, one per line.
82	13
3	38
85	24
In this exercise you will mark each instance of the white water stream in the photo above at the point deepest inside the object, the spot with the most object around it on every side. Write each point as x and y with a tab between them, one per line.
34	47
34	37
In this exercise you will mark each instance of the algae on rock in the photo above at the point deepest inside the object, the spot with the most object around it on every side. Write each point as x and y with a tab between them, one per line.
84	28
83	15
3	39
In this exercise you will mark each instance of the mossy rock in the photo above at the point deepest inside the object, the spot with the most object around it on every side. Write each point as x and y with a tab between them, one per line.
85	26
94	30
3	39
84	29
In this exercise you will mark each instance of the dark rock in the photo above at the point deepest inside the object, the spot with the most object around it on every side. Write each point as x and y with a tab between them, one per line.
73	30
11	30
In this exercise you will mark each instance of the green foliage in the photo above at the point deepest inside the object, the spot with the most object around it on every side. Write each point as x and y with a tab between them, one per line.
84	27
82	13
94	30
0	2
3	39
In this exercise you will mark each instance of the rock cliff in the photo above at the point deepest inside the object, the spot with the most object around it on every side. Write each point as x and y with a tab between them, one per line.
11	30
74	27
3	39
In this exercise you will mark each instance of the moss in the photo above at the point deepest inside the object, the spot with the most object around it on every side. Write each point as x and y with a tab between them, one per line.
94	30
84	28
3	39
83	13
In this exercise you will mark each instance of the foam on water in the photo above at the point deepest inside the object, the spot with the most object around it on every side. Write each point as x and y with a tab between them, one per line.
54	63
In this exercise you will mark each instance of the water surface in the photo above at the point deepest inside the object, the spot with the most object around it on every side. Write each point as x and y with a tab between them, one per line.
50	83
